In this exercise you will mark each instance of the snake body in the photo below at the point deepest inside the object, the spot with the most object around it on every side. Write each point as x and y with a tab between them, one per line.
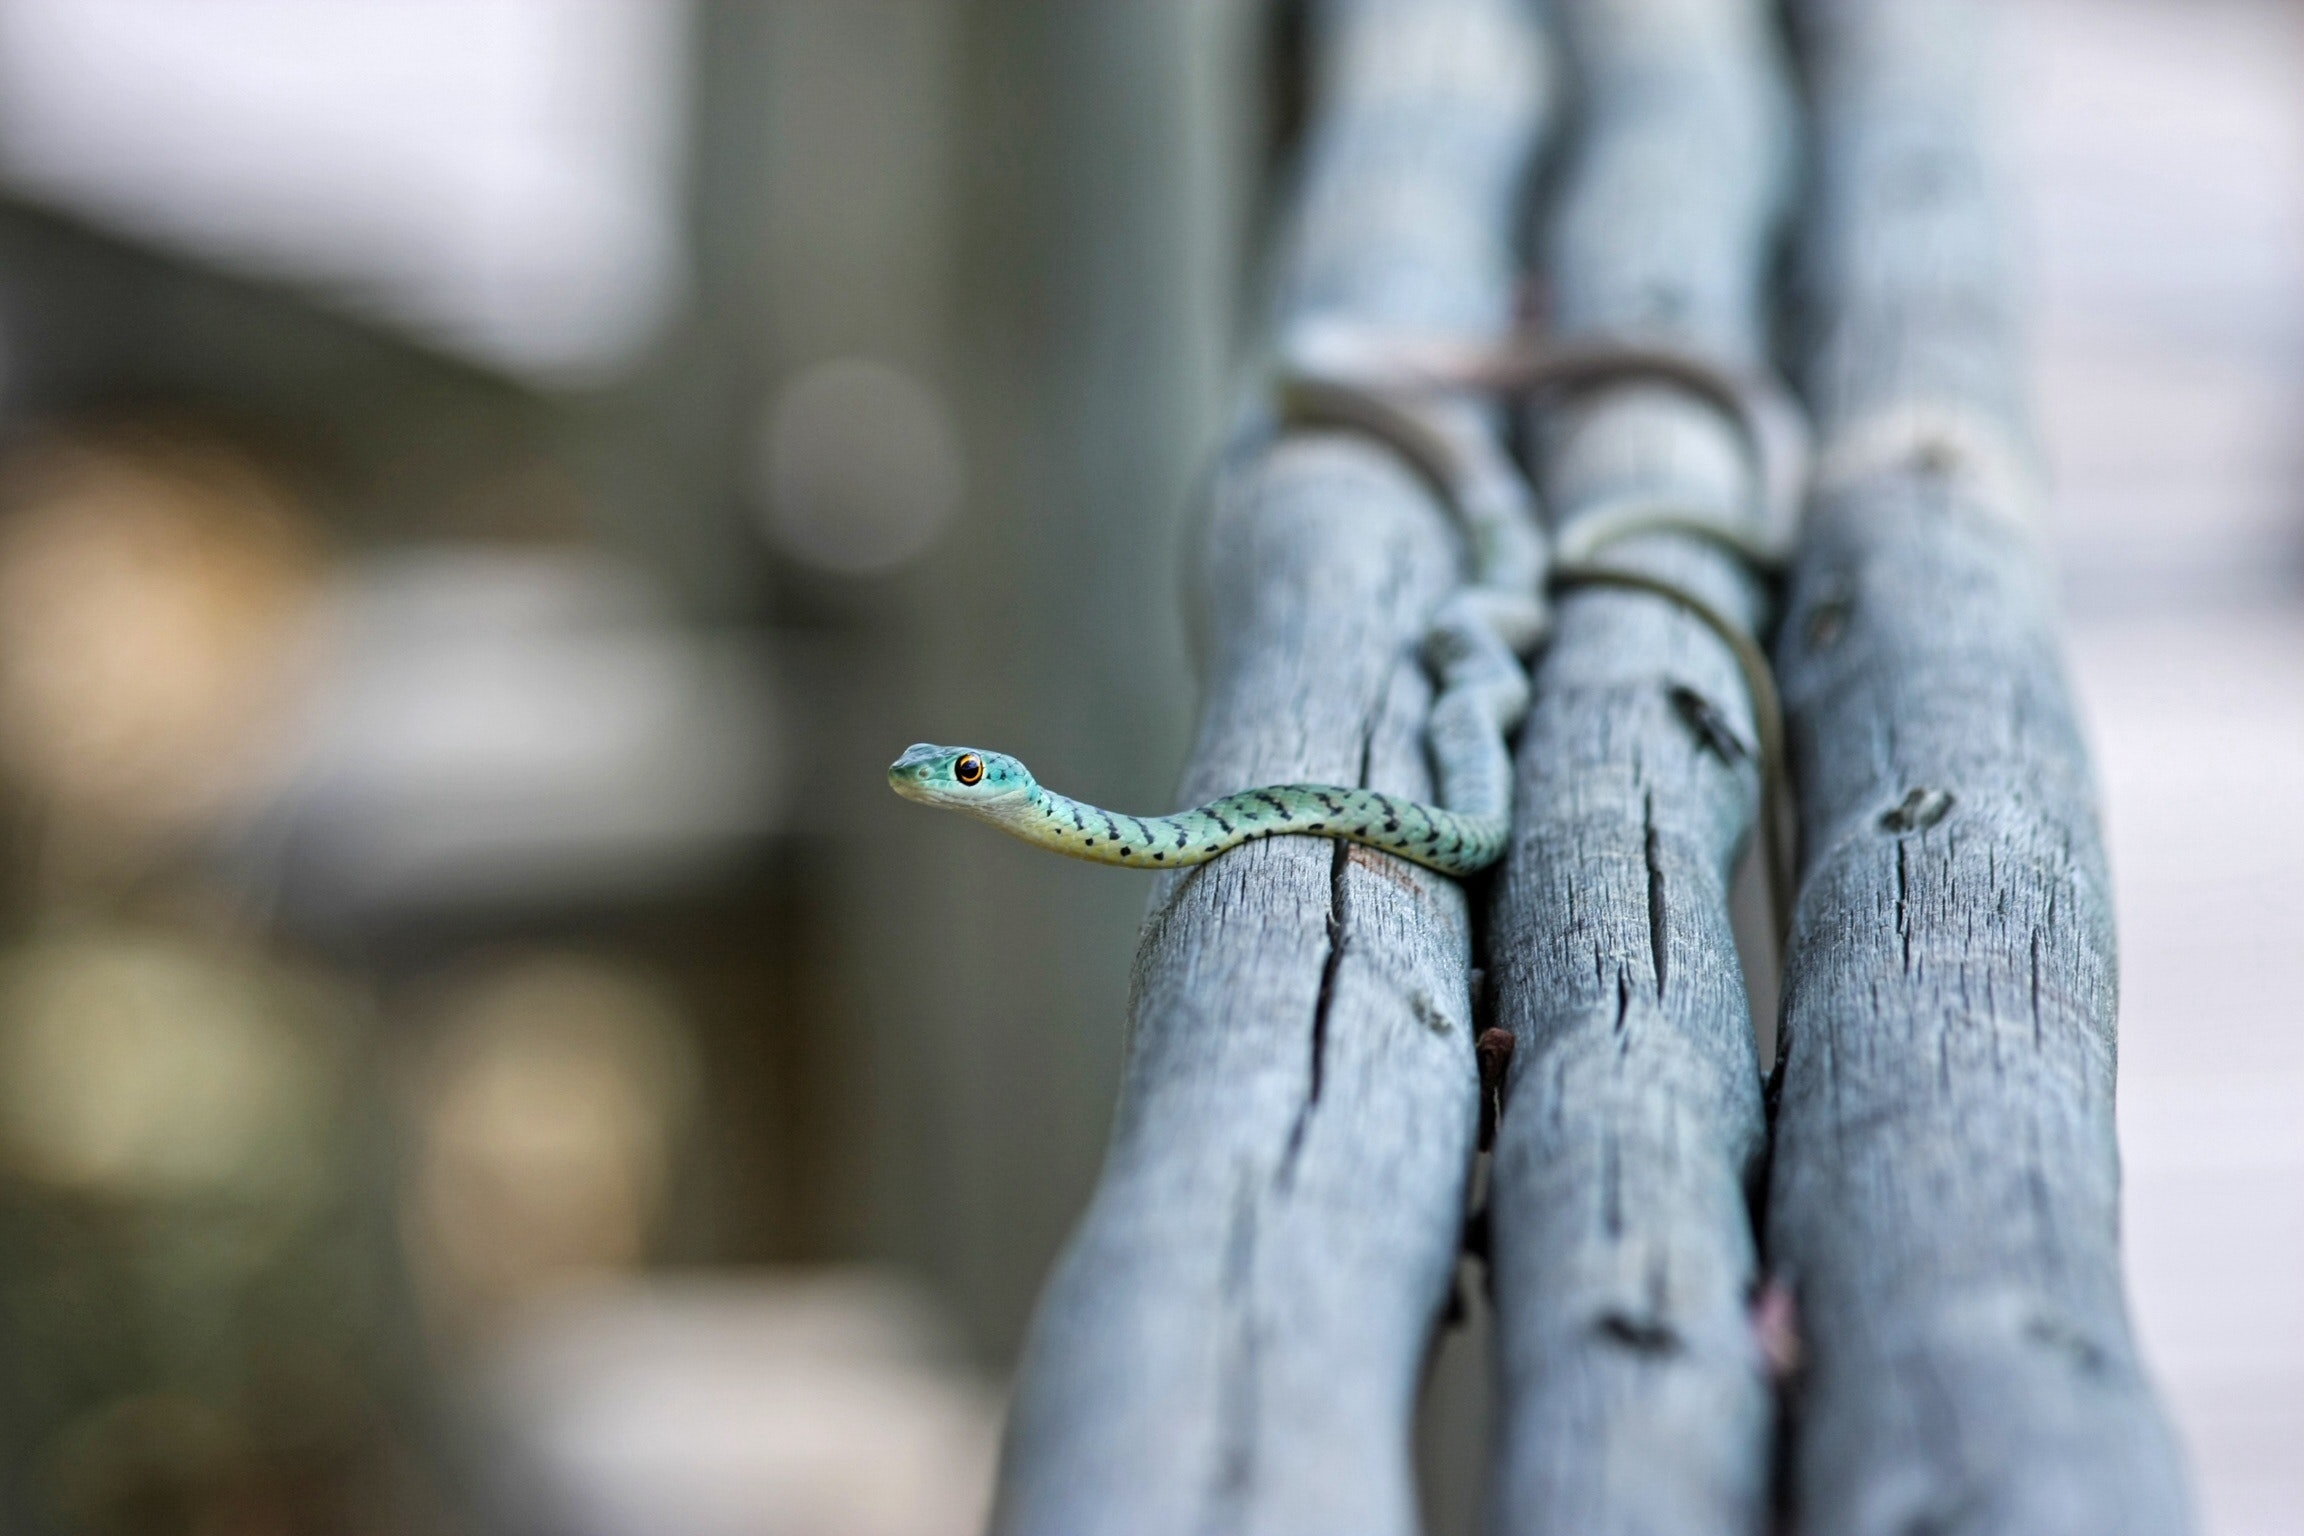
1414	403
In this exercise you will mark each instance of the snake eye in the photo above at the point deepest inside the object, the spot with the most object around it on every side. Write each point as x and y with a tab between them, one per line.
968	768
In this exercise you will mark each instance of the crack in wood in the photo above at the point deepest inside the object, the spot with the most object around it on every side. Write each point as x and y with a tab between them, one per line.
1659	933
1903	925
1331	969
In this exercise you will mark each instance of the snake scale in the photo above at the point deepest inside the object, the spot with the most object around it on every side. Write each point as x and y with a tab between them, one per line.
1413	400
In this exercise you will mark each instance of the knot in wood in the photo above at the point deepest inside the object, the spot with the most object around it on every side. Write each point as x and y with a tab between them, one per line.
1918	811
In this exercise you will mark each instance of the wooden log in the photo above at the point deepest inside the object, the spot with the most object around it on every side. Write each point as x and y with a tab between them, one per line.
1234	1337
1633	1396
1944	1197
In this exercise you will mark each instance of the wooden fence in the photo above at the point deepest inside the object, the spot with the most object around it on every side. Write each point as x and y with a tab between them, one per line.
1916	1297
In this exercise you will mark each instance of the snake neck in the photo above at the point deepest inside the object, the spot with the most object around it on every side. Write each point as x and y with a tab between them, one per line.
1083	831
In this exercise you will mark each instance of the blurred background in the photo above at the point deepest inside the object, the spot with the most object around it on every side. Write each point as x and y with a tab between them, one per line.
485	488
2162	142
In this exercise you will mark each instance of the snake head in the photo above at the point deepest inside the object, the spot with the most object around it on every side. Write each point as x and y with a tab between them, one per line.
961	778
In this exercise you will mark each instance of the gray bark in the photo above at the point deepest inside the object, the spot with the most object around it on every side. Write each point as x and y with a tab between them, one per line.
1634	1396
1944	1196
1234	1338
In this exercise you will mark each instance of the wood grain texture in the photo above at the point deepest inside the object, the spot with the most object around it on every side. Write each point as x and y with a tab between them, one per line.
1634	1398
1234	1338
1944	1194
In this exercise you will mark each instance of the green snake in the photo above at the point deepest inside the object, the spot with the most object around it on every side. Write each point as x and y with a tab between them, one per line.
994	787
1478	635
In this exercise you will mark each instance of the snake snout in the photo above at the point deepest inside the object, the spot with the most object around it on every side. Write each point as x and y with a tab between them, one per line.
920	772
911	783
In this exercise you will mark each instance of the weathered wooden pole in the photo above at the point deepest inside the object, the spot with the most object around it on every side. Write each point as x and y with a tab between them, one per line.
1633	1396
1234	1338
1944	1197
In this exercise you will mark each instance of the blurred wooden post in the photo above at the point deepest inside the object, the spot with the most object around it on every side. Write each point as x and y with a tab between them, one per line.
1633	1396
1234	1338
1945	1185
